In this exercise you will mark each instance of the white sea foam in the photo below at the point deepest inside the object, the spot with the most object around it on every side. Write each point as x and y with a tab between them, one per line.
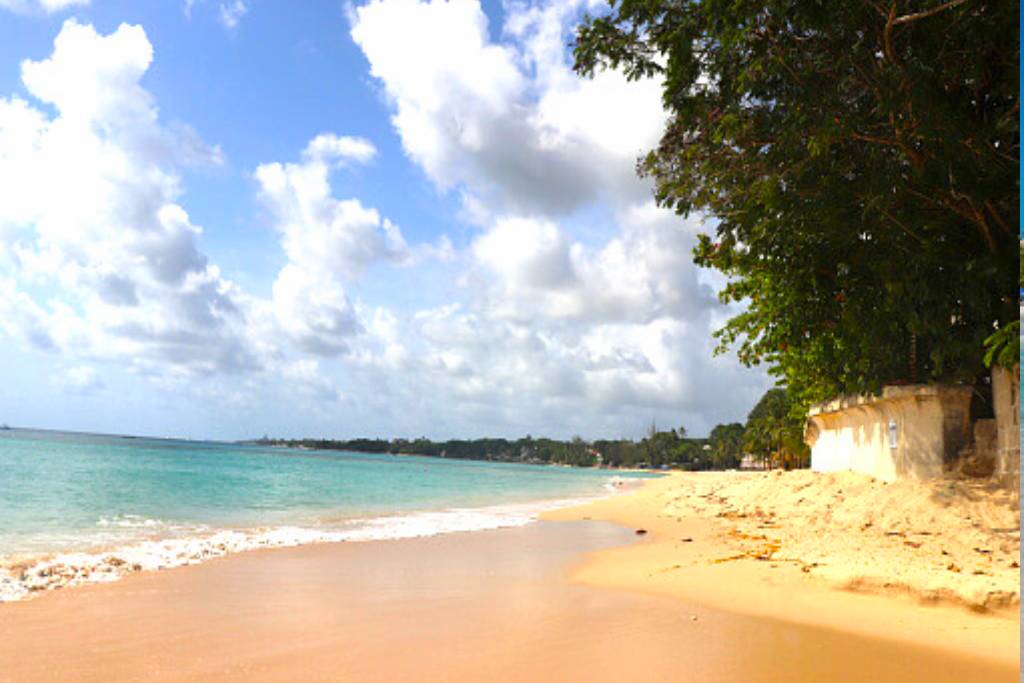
22	578
129	522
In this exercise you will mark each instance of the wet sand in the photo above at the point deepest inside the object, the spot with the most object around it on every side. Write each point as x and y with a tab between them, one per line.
481	606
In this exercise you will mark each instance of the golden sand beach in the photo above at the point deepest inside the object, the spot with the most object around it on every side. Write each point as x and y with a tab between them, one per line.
699	597
931	563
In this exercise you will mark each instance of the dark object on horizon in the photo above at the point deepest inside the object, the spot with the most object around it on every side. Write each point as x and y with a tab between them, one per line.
641	532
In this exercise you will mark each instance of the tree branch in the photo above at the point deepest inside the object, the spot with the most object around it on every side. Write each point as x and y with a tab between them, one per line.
901	225
997	216
890	53
915	158
907	18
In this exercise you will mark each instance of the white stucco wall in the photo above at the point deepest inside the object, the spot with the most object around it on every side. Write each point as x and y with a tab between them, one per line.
852	433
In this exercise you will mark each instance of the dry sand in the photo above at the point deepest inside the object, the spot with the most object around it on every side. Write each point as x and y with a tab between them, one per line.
480	606
925	563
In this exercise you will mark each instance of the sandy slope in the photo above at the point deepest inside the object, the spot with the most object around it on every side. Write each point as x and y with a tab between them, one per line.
955	540
910	555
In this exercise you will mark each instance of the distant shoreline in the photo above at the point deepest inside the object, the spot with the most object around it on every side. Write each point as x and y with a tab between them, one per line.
526	450
610	468
547	451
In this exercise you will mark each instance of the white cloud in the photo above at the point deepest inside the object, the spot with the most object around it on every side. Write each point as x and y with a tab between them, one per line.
328	147
513	377
21	318
230	13
531	269
81	379
507	121
595	335
100	261
314	310
321	233
328	242
89	205
528	255
57	5
48	6
308	378
539	322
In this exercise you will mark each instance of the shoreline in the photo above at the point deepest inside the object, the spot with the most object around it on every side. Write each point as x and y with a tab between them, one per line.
719	561
491	605
574	595
31	576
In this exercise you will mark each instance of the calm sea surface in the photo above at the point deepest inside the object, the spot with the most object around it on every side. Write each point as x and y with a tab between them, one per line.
154	503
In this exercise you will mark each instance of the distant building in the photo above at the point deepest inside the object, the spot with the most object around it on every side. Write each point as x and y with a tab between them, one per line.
749	462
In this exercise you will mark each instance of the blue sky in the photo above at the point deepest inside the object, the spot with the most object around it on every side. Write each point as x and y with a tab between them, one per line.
396	218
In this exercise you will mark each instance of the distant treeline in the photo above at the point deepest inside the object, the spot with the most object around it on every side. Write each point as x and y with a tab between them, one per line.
772	436
660	449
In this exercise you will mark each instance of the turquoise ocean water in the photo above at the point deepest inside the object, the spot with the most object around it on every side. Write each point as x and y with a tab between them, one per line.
76	508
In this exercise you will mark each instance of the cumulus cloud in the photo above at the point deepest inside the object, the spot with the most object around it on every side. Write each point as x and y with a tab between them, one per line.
329	242
328	147
596	335
506	121
642	274
89	204
22	318
514	377
315	311
100	260
540	322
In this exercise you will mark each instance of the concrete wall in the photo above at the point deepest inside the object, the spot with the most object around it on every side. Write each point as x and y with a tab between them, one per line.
932	424
1006	401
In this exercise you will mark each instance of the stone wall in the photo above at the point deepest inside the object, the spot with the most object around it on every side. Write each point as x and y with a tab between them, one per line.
1006	402
912	431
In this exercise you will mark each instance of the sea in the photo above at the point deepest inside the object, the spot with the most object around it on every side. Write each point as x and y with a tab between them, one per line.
82	508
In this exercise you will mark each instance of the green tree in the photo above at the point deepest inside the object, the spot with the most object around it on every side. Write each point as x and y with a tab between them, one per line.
774	431
578	453
662	448
861	160
621	453
726	443
1003	346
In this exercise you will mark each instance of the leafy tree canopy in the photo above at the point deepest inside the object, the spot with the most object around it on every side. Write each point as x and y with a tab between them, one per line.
726	442
774	431
860	161
1003	347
